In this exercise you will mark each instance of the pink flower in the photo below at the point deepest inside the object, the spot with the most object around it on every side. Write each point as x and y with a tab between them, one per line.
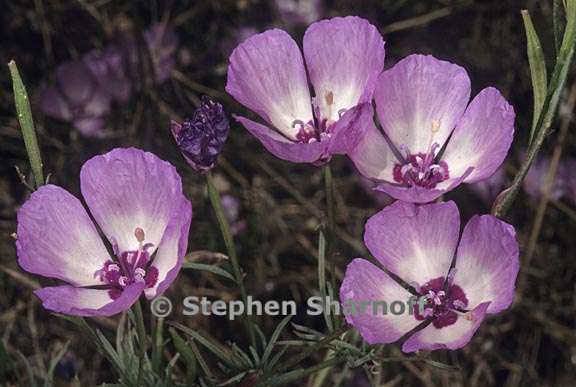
136	200
463	279
432	138
267	75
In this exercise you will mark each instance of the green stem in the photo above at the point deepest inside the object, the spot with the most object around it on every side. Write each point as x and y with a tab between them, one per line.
157	344
231	248
330	203
26	124
141	331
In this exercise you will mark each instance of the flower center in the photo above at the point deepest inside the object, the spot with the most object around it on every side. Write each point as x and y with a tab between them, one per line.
131	267
442	305
309	132
421	169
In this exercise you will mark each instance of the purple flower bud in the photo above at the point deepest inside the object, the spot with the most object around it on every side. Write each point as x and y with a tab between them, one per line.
202	137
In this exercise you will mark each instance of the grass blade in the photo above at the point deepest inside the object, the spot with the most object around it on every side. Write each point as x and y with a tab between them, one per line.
537	69
26	124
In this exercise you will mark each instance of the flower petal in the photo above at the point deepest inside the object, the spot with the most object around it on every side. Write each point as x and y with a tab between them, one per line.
74	301
372	156
267	75
487	262
76	82
482	138
57	238
128	188
53	104
453	336
366	283
349	130
420	100
417	194
171	250
344	56
417	243
283	148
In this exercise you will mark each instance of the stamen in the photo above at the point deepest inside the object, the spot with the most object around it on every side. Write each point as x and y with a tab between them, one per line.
139	234
444	306
435	126
329	98
421	169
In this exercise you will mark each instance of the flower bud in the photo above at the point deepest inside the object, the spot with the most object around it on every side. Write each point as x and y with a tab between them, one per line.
202	137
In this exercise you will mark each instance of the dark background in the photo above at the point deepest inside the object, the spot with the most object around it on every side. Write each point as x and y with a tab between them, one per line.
533	343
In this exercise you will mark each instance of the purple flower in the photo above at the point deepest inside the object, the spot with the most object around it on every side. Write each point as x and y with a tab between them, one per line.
535	180
422	107
267	75
489	188
136	200
77	97
162	43
202	137
109	68
294	12
231	206
418	244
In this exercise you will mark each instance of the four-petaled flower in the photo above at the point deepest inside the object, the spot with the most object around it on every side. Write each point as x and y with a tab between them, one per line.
462	279
432	139
136	200
344	57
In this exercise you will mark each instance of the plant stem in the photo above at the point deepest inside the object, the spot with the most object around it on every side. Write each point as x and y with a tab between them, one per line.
330	203
231	248
141	332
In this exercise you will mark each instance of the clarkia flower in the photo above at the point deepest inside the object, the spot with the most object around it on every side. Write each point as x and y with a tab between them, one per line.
162	44
535	180
267	75
202	137
136	200
109	68
231	207
463	279
295	12
77	97
432	139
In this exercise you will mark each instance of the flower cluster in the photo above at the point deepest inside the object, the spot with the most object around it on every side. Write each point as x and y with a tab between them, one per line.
430	139
84	90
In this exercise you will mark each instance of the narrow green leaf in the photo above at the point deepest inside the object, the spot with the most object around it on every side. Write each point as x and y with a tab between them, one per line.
53	363
322	278
157	343
26	124
558	23
187	354
537	69
220	352
555	87
209	268
274	338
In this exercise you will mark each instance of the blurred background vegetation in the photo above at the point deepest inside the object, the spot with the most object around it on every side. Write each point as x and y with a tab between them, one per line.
280	204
